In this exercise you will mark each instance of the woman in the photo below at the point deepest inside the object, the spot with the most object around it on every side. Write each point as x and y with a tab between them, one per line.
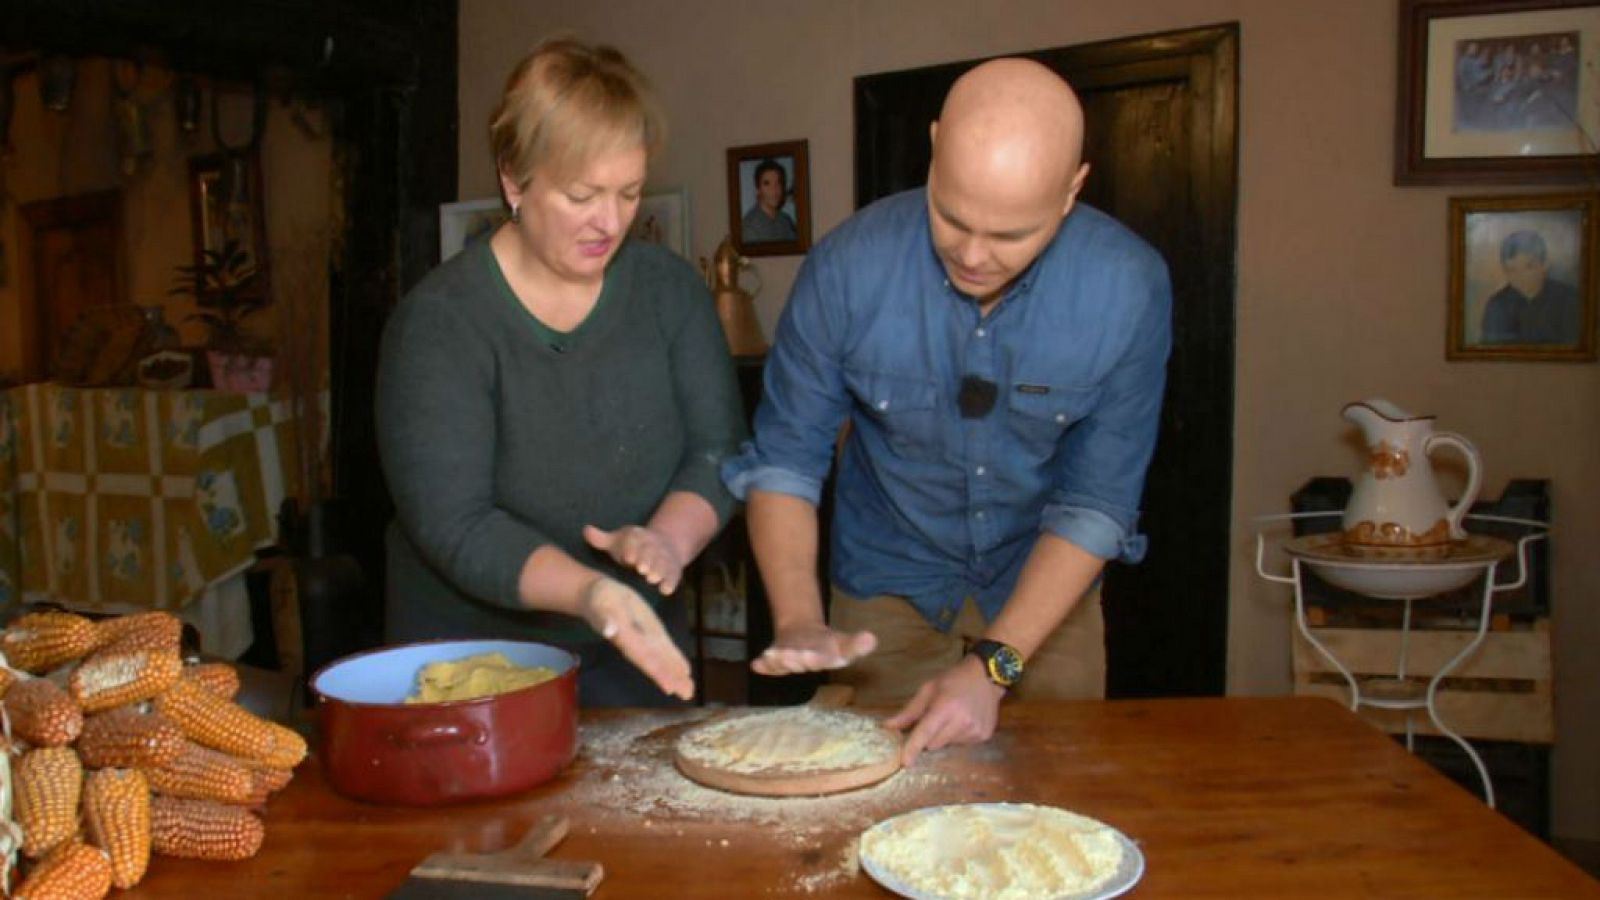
553	402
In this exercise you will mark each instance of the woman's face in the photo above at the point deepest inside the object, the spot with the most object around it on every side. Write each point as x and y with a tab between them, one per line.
574	228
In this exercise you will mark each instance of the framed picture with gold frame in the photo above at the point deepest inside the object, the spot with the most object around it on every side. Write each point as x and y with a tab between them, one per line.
1523	277
226	204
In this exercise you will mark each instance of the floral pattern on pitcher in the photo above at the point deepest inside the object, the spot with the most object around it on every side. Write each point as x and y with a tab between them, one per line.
1388	461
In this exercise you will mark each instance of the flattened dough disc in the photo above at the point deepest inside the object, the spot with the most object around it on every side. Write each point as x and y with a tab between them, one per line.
789	752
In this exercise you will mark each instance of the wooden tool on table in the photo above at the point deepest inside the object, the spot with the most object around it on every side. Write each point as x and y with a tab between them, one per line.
521	871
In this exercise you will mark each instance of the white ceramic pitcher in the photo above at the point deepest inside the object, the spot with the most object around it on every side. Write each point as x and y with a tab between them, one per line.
1397	501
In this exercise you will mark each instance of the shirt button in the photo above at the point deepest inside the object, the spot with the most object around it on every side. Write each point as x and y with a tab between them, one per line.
980	515
883	405
980	332
981	470
1061	418
946	616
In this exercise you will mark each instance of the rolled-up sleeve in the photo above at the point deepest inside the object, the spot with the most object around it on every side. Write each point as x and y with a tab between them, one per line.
436	439
1095	503
803	393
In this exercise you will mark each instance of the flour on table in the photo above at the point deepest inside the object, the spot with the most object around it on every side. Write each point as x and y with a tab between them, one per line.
793	739
995	851
625	776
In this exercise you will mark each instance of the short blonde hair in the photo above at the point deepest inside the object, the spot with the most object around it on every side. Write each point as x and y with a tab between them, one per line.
567	103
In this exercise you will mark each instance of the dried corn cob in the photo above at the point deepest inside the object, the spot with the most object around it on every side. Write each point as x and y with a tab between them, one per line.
76	871
288	748
218	678
116	812
38	642
141	631
217	723
48	782
128	738
42	713
204	774
113	677
266	781
202	829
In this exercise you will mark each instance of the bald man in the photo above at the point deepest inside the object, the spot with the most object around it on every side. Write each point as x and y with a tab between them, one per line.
1000	351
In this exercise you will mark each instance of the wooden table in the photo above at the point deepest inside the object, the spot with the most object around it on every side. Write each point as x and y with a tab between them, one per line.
1233	797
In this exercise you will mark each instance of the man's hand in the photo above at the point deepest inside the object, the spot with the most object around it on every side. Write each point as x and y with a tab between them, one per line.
623	618
961	706
642	550
813	648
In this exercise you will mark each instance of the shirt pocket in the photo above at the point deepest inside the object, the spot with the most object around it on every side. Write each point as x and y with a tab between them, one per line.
904	408
1041	413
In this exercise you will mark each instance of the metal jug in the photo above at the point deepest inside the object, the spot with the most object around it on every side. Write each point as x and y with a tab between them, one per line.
736	307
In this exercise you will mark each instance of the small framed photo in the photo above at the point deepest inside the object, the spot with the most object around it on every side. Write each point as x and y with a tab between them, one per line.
466	221
1497	91
1522	277
769	199
225	203
663	218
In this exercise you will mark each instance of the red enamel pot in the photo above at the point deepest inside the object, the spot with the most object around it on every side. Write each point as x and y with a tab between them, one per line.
378	748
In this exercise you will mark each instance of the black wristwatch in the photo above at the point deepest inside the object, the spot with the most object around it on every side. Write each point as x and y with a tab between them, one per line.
1001	662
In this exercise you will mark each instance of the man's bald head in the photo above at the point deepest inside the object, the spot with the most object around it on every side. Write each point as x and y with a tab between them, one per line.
1012	124
1007	167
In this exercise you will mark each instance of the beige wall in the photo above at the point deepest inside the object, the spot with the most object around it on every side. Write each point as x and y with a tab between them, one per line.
1341	275
70	153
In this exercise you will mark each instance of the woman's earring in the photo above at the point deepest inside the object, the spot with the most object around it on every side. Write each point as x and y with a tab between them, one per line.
516	212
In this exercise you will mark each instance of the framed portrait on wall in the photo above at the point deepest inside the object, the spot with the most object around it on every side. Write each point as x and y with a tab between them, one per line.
1497	91
468	220
769	199
1522	277
225	202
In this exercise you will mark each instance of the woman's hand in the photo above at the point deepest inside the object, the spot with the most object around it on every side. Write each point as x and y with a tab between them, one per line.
627	621
642	550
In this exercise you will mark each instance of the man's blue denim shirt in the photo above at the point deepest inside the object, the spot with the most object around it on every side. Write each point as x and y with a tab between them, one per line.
930	505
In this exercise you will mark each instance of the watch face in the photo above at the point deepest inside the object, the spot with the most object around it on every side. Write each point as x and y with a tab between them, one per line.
1008	662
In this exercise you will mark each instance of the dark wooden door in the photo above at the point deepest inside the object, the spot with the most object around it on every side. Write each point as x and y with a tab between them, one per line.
1161	137
74	252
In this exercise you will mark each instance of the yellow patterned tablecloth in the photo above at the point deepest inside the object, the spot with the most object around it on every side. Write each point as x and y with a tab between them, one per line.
126	498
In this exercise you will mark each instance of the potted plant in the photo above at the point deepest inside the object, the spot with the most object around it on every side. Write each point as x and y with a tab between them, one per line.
226	287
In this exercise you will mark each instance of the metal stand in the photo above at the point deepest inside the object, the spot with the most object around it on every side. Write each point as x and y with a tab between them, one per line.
1399	691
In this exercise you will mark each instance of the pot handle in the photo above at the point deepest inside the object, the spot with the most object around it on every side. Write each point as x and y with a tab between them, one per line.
433	734
1452	439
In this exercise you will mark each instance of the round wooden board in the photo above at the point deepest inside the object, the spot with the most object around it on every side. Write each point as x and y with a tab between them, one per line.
787	783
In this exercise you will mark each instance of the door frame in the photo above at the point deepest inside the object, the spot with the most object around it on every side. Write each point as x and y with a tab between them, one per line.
1204	356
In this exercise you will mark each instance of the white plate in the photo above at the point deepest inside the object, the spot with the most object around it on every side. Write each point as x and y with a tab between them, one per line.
1128	873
